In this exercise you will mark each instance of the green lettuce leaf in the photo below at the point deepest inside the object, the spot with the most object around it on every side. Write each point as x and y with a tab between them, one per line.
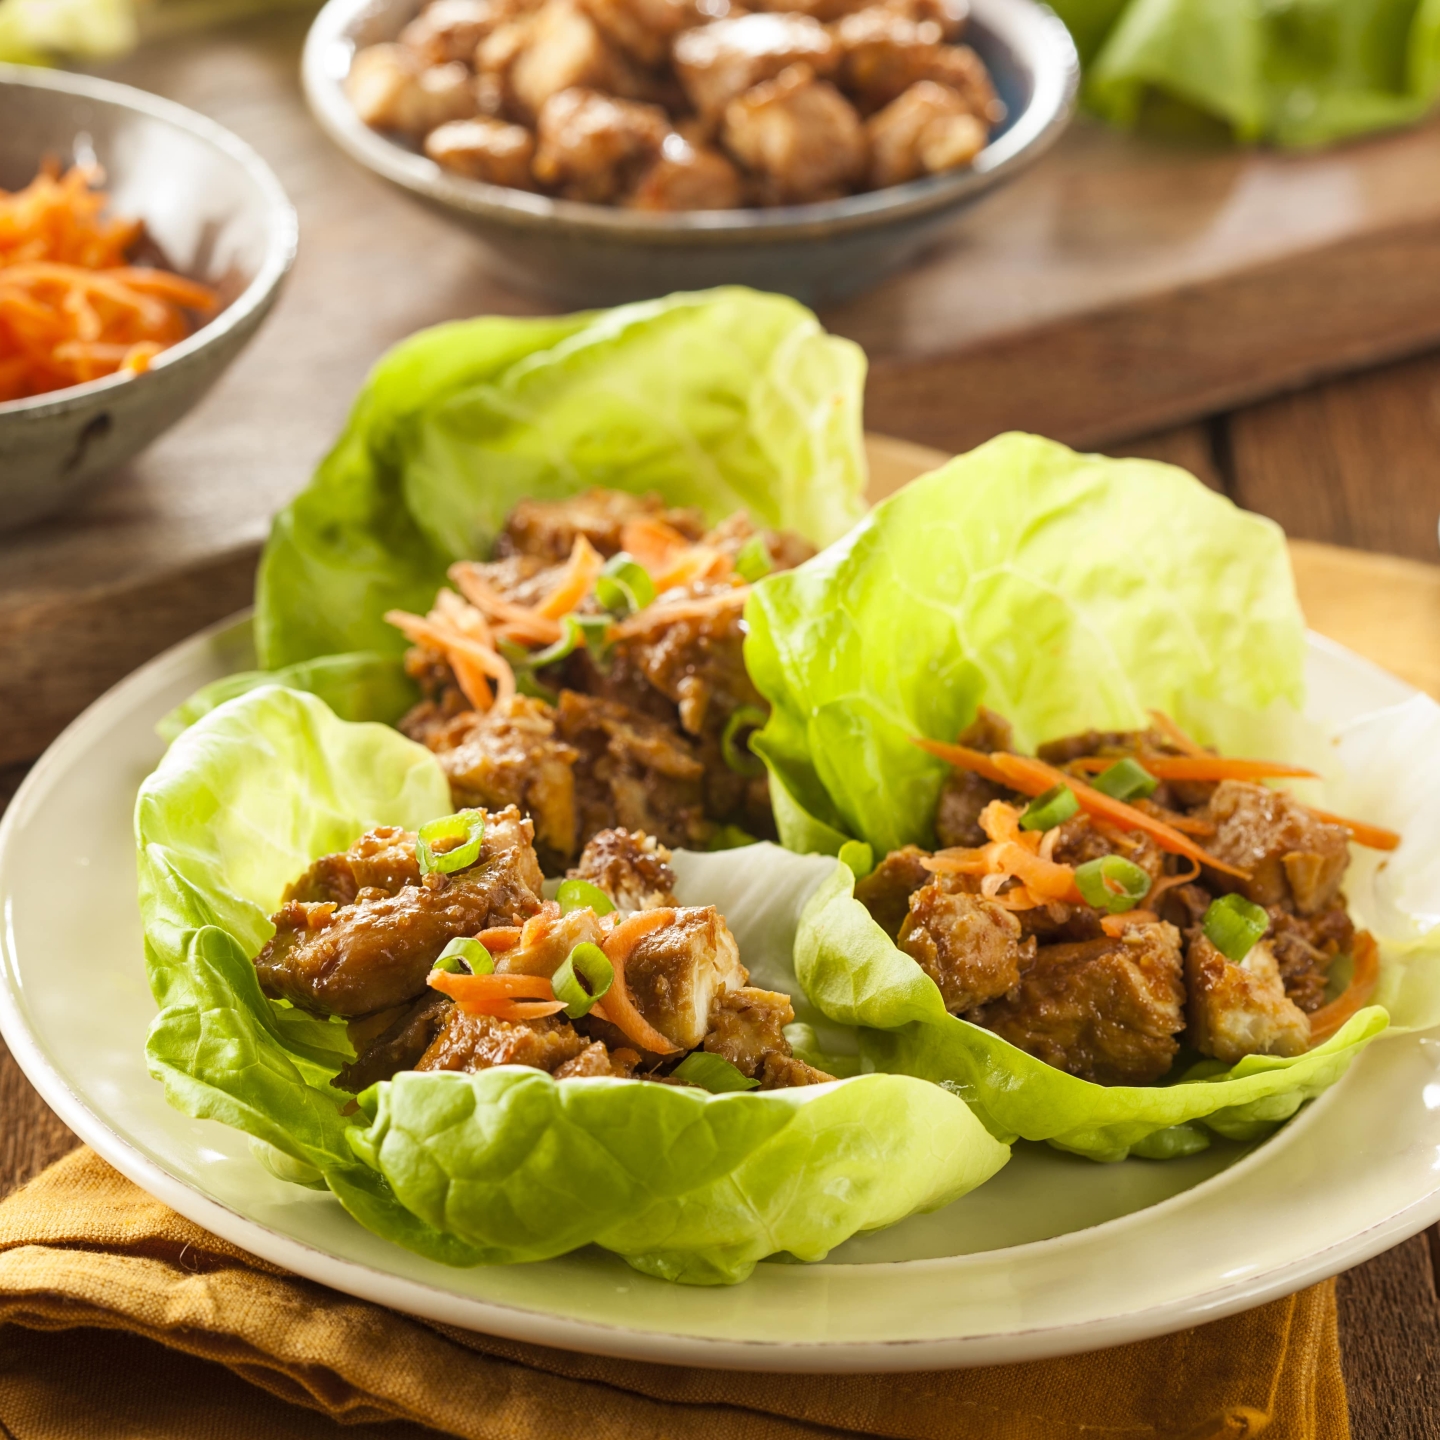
723	400
853	972
1304	73
507	1164
1064	591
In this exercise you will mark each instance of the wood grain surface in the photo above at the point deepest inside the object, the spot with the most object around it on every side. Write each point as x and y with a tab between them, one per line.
1120	285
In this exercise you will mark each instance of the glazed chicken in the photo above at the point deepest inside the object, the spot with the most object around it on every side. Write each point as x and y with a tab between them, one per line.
1224	941
673	105
635	736
360	933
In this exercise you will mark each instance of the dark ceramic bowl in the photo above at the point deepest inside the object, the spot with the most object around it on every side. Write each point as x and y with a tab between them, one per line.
216	211
599	254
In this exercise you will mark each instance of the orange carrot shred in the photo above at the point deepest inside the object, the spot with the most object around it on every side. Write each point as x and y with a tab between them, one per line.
963	758
1373	837
1176	736
617	1007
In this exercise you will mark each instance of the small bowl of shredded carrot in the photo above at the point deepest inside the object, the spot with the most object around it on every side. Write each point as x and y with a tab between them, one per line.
141	245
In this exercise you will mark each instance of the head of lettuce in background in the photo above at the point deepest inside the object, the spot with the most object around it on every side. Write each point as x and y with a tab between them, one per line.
506	1164
722	400
1291	72
1066	592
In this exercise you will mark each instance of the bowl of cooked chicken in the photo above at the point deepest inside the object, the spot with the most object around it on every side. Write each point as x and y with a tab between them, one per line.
617	149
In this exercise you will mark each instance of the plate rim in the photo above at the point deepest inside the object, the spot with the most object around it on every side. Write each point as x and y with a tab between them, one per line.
421	1298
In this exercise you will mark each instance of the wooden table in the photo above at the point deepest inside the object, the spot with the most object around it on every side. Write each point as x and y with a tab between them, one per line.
1352	462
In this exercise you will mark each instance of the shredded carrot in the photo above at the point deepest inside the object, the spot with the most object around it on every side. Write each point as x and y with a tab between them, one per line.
700	562
1215	767
71	308
964	758
1325	1021
1012	853
617	1007
507	997
500	938
1176	736
581	570
653	542
481	594
1034	777
1116	925
655	616
470	658
1373	837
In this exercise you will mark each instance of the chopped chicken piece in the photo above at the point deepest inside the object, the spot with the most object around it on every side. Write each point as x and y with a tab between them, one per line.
547	529
381	859
1080	841
687	177
800	136
884	54
563	51
959	67
495	62
513	756
719	62
1105	1010
547	939
1305	947
1294	859
478	1042
1239	1010
449	30
633	772
1060	924
632	868
596	1059
957	817
1118	743
397	1047
391	89
675	973
484	149
969	946
376	952
950	15
593	146
747	1028
926	130
643	28
885	892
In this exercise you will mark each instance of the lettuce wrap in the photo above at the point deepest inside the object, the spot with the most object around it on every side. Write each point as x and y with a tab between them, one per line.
1295	74
505	1164
722	400
1065	591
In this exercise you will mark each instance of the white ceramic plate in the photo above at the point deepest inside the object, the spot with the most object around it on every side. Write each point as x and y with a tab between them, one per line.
1056	1254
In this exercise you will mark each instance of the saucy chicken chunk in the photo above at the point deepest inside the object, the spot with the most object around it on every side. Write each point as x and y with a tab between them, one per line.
632	868
676	972
718	63
391	88
484	149
747	1028
547	529
926	130
1238	1010
972	948
688	177
593	147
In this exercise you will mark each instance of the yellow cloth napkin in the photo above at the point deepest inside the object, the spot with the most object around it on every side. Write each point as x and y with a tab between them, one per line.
82	1251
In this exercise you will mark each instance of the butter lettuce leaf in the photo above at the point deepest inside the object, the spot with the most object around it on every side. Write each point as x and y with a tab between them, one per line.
1063	590
723	400
506	1164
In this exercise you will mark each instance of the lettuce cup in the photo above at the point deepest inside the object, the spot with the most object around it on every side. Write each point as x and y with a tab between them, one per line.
1089	909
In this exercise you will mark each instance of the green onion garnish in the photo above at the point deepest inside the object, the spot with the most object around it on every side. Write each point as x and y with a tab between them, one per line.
624	585
1112	883
752	560
465	957
712	1073
1052	808
572	639
731	837
467	826
1126	779
584	977
858	856
1233	924
582	895
743	761
595	629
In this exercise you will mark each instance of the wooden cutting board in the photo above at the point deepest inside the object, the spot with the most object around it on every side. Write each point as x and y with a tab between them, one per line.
1118	286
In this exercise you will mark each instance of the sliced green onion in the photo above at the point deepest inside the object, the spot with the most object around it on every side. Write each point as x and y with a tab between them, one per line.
858	856
1126	779
1112	883
1052	808
731	837
713	1073
624	585
584	977
582	895
743	761
752	560
527	684
1233	924
468	826
571	640
465	957
595	629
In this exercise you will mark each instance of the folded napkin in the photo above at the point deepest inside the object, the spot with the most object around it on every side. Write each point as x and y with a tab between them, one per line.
86	1253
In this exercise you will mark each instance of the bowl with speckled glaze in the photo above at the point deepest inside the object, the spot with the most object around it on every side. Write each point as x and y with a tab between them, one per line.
216	212
601	254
